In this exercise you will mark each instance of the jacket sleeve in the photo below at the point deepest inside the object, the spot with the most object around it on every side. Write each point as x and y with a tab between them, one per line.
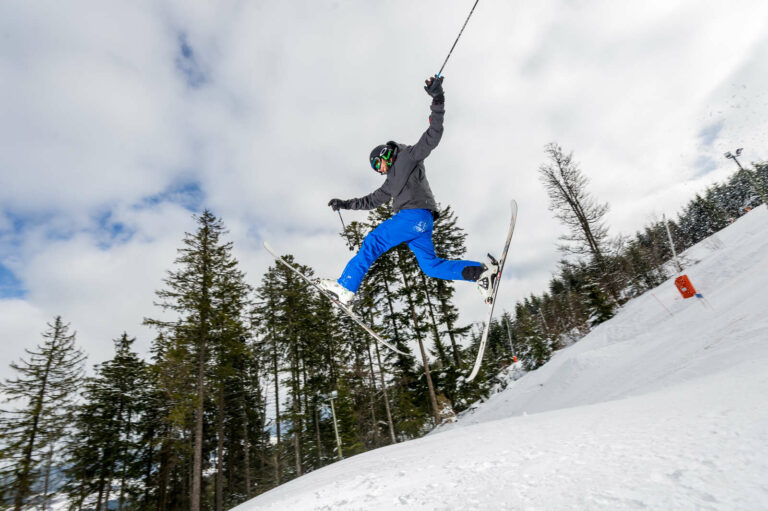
373	200
432	136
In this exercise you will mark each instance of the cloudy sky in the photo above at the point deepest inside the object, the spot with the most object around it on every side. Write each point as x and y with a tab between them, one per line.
121	120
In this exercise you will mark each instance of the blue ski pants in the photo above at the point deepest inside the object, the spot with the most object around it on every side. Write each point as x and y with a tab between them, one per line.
412	226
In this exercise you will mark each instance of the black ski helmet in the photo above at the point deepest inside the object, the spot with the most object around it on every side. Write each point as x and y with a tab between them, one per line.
380	152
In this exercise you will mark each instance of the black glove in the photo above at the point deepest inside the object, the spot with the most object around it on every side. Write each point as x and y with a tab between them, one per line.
434	87
337	204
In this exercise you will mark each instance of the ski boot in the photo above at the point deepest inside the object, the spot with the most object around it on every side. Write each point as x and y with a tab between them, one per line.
487	279
339	292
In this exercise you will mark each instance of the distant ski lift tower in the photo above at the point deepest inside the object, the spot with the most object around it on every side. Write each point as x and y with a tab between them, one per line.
734	157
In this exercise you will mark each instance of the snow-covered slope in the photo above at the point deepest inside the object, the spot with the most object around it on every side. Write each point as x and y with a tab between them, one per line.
663	407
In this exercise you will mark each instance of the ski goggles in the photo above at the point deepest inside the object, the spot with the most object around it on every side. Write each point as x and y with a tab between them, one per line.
384	156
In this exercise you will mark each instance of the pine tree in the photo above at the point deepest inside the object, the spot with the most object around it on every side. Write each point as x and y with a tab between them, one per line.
228	383
537	349
45	391
105	446
739	193
284	317
761	180
166	424
643	261
701	219
574	206
154	430
601	306
208	293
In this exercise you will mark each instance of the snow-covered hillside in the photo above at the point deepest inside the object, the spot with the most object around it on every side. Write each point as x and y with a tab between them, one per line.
663	407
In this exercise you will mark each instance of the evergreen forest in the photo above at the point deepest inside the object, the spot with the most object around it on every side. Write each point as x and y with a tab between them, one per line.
253	381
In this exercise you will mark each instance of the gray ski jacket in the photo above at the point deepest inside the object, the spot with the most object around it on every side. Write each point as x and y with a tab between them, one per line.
406	181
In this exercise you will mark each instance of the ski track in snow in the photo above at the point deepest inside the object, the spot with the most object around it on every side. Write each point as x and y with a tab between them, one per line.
649	411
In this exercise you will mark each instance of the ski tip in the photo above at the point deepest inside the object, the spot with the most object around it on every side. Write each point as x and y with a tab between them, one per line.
269	248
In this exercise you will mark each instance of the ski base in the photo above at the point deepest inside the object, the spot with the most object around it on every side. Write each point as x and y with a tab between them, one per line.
491	301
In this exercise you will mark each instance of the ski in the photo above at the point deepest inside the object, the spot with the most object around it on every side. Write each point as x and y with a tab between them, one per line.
332	298
492	303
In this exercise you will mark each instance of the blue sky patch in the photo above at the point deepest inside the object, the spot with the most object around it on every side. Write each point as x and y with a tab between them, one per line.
709	134
22	223
187	194
112	232
188	65
10	238
704	165
10	286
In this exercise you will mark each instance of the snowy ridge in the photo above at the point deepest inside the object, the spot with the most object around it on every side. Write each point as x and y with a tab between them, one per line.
662	407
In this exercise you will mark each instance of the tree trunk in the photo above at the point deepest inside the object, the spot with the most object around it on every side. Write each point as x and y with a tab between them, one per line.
317	434
297	426
47	479
386	396
101	494
277	411
432	397
164	473
246	448
373	398
109	486
454	345
296	383
148	472
435	330
24	484
391	307
220	450
121	497
197	464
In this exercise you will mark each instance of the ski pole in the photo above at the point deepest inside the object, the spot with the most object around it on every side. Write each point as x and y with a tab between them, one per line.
346	236
457	39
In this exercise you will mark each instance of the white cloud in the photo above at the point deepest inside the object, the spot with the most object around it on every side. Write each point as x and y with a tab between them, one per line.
98	116
21	321
101	291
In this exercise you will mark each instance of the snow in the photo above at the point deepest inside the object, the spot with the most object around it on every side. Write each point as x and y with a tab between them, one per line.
662	407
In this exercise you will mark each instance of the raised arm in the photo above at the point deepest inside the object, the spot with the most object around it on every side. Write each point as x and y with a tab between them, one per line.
431	137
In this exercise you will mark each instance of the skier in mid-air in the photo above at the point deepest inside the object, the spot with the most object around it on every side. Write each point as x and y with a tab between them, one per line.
415	211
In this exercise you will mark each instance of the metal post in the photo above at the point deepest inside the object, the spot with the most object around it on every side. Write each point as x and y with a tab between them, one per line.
735	158
509	336
333	396
672	245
